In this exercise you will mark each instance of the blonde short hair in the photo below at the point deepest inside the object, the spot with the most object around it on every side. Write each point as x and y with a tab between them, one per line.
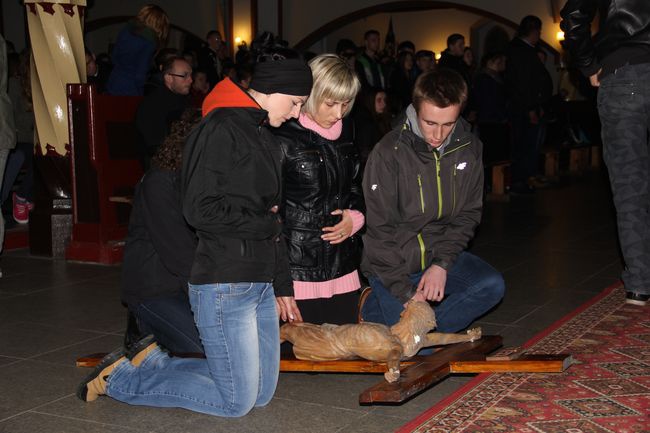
156	19
333	79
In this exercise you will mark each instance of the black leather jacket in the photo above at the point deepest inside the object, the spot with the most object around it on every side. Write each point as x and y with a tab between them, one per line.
624	24
320	176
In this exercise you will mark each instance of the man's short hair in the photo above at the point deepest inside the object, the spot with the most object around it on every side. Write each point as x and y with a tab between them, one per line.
492	55
169	63
453	38
442	88
529	24
406	45
213	33
345	45
369	33
163	56
423	53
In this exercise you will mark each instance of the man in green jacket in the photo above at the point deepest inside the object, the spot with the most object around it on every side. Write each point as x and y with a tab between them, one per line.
423	187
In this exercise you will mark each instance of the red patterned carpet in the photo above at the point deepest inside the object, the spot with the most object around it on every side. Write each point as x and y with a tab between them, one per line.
607	389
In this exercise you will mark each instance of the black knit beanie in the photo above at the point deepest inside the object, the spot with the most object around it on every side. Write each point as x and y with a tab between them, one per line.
288	76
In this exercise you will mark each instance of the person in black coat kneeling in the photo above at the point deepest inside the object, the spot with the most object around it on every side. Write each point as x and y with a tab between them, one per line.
159	249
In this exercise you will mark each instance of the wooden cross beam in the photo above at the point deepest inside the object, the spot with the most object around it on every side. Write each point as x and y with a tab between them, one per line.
421	372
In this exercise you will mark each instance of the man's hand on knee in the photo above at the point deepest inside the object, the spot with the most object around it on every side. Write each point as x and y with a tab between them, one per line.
432	284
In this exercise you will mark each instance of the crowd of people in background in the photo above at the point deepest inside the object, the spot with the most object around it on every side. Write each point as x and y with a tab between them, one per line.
510	103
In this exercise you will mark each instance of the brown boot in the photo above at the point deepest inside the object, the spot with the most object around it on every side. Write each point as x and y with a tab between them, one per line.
94	384
141	349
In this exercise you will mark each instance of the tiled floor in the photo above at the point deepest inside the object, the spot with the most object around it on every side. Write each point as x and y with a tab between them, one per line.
556	250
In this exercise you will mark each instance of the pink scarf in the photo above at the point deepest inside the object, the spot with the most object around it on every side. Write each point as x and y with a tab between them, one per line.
331	134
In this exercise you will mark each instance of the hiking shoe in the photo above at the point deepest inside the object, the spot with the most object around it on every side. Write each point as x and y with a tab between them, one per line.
139	350
636	298
21	209
94	384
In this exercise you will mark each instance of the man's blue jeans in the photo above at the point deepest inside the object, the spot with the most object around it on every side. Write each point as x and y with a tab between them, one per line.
238	325
473	288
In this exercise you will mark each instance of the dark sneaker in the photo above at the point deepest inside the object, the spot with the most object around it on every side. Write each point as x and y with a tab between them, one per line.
94	384
522	189
636	298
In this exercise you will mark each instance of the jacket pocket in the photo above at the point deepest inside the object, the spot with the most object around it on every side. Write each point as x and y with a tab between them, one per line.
305	249
422	206
309	165
453	191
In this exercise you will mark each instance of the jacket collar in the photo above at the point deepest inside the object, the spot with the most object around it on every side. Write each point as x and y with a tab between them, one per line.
227	94
411	134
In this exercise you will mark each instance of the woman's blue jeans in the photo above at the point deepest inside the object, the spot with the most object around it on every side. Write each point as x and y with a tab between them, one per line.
238	325
473	288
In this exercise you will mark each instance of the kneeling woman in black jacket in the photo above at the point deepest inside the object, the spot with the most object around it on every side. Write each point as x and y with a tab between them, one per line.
322	201
231	185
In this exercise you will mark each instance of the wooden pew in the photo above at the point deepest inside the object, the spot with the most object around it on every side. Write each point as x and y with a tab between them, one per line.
499	192
105	166
579	159
596	157
552	163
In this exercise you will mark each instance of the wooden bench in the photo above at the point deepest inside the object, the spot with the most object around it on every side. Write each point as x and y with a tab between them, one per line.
579	159
596	158
552	164
105	166
499	192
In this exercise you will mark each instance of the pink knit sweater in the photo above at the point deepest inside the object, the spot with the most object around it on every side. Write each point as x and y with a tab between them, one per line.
346	283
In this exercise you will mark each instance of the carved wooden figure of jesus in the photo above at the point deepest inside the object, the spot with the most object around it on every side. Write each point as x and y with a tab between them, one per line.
372	341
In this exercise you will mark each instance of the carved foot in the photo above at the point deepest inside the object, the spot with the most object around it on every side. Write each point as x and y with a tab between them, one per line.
391	375
474	333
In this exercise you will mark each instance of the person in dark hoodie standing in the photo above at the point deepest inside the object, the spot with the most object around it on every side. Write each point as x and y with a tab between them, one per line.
423	186
231	189
617	61
452	57
163	106
530	87
368	67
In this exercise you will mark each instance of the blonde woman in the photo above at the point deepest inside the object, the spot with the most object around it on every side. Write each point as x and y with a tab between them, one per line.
134	49
322	201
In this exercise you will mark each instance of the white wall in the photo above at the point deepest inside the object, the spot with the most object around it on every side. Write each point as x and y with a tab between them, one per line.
267	16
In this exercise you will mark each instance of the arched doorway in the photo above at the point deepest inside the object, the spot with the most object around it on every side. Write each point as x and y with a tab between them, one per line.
407	6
